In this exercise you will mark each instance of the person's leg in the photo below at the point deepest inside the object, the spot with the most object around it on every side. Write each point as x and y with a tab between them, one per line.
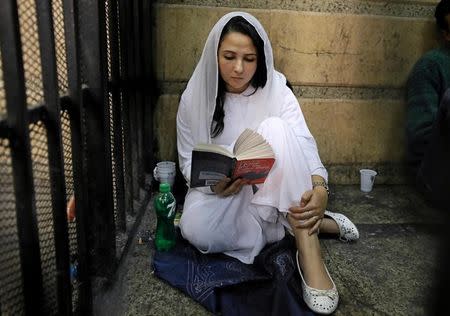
207	221
283	188
310	258
228	225
433	176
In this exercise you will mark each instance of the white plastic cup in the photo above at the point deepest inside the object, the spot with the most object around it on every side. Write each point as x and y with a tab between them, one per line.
164	172
367	179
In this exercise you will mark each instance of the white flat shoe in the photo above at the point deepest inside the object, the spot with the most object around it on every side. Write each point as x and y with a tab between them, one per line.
322	302
347	230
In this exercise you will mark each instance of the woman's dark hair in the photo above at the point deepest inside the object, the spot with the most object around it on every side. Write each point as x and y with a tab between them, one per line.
240	25
442	10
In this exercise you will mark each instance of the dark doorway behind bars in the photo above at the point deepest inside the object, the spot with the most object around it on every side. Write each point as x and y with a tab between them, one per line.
75	120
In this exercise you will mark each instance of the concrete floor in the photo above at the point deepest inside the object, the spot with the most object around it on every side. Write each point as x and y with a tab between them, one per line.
389	271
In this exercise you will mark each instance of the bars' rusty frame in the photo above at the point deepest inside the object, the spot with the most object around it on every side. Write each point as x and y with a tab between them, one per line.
94	78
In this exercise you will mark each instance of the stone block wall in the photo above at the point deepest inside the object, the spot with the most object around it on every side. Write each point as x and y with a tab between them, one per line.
347	60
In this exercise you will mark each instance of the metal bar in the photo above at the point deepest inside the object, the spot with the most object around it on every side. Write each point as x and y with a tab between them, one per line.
36	114
14	81
5	130
65	103
127	99
106	220
99	170
138	175
133	230
76	110
150	91
56	164
131	113
117	118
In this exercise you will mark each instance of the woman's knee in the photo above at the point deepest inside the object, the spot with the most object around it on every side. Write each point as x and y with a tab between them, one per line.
273	128
195	230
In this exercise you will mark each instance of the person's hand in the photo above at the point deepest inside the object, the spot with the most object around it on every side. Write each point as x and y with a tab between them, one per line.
226	187
311	210
71	211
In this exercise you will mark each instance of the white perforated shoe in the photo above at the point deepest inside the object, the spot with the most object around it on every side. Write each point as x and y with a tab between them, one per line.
347	230
322	302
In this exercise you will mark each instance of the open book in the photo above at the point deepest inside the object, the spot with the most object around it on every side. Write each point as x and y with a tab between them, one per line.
251	159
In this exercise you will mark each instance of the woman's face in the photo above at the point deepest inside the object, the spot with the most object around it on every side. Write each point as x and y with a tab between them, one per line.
237	58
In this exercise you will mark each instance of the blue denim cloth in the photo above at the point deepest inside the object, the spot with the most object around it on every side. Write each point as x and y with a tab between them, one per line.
226	286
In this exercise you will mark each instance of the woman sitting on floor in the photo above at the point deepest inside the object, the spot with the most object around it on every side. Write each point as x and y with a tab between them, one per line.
234	87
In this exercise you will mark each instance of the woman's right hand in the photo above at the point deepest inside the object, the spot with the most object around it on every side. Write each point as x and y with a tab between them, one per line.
226	188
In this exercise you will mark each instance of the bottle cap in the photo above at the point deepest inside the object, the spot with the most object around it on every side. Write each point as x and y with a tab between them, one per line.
164	187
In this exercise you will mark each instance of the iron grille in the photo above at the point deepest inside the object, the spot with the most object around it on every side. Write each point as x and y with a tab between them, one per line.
31	54
60	46
44	210
11	298
69	121
68	176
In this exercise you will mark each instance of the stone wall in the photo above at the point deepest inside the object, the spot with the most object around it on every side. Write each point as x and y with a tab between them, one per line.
347	60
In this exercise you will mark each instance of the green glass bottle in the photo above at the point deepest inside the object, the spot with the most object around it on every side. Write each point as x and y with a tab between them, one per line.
165	207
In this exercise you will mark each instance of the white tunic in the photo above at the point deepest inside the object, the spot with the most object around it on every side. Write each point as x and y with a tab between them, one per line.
241	225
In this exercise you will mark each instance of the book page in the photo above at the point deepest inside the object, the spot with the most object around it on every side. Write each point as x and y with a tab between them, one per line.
251	144
254	142
213	148
264	151
241	139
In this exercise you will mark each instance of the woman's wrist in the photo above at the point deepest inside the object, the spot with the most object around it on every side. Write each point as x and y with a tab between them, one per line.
319	182
322	197
320	188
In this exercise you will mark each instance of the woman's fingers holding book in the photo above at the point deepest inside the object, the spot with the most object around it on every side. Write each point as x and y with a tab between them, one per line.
220	186
236	186
227	189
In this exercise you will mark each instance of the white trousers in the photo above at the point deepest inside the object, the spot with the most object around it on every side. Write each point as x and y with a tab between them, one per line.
241	225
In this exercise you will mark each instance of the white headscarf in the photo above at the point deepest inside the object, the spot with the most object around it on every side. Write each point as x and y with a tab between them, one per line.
201	91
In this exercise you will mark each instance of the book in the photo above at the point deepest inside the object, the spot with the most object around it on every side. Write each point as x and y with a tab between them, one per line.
251	159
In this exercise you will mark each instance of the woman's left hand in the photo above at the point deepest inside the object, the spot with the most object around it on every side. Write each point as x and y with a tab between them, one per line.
311	210
227	187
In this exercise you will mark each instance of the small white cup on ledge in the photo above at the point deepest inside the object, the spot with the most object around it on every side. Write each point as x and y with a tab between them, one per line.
367	179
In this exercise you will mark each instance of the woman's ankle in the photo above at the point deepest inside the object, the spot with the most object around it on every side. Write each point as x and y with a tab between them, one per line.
314	273
311	262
